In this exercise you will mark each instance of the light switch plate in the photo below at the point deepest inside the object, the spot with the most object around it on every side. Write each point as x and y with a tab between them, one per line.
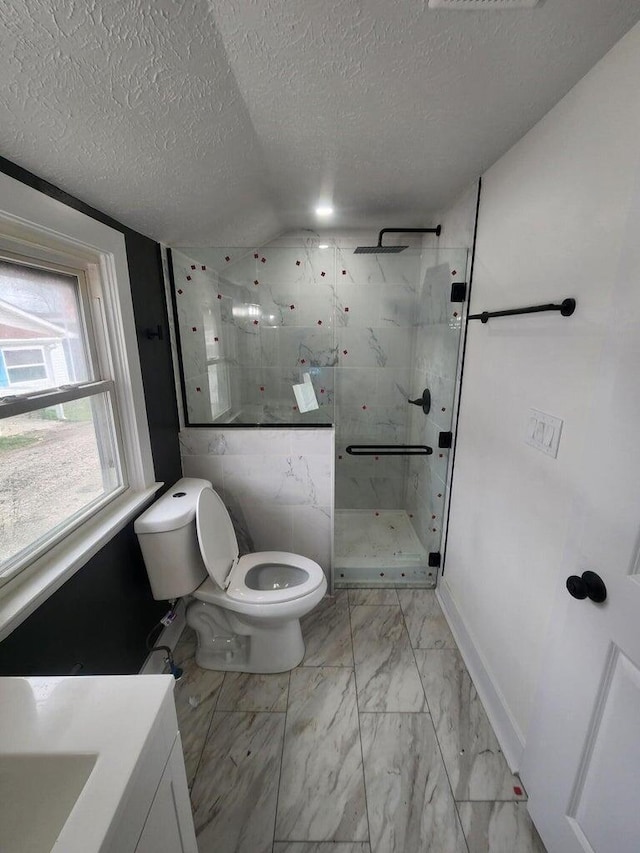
543	432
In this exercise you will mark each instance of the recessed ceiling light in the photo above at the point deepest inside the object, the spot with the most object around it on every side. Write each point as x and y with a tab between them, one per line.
324	210
323	246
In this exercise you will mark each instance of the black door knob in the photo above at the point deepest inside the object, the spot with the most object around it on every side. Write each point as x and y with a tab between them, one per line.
590	585
424	402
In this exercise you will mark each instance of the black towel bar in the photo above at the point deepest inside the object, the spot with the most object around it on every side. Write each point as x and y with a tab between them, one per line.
389	450
566	308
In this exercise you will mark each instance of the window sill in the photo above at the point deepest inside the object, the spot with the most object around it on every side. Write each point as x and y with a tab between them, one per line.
21	596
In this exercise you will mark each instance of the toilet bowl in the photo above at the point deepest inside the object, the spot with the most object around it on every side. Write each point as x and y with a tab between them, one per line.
245	610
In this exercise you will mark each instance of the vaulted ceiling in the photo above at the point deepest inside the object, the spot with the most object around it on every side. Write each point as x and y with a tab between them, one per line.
224	122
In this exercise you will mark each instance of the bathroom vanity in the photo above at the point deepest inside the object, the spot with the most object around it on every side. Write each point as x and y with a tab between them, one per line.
92	765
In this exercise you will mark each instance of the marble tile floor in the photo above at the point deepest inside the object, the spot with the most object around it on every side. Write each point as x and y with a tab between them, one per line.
376	743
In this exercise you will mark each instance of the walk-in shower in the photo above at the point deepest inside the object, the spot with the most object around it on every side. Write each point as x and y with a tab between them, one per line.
360	336
399	340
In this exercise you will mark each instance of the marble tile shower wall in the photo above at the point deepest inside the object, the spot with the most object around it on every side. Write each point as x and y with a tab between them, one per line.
435	359
277	482
376	302
371	330
268	316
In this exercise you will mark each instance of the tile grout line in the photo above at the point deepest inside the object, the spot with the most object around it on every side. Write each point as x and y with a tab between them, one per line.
284	733
435	733
208	732
456	650
515	802
396	608
401	712
355	684
206	736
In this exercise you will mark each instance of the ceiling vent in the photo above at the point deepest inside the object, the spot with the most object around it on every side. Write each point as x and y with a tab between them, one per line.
482	5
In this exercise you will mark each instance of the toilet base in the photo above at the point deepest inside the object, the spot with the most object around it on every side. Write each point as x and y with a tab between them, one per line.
234	642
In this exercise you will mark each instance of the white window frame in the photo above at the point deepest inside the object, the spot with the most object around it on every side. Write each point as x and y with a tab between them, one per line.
41	228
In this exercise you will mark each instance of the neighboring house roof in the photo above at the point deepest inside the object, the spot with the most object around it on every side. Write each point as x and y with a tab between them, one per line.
16	324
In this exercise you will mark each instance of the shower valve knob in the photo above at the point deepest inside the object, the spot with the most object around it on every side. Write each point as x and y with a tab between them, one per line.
424	401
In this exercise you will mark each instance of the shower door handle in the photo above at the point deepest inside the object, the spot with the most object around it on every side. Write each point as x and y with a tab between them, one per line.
389	450
424	401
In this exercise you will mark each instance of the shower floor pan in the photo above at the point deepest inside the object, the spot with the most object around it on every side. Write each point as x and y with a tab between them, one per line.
378	548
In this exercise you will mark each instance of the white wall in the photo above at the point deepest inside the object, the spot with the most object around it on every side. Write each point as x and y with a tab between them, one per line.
552	213
458	221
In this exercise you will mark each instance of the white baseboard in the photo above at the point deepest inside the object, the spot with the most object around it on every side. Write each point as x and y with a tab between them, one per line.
154	664
509	736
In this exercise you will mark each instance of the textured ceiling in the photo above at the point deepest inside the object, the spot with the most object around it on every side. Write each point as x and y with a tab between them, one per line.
223	122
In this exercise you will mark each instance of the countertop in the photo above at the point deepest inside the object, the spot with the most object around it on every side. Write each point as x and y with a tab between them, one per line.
110	717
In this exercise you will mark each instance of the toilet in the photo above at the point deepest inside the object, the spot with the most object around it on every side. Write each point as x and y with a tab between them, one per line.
245	610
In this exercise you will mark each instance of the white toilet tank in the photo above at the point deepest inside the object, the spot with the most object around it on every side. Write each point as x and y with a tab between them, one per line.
169	542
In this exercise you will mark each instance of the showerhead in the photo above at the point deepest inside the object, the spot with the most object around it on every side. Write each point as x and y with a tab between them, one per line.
379	250
393	250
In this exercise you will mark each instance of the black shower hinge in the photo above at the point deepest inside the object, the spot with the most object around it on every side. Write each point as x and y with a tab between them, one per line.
458	291
434	559
445	439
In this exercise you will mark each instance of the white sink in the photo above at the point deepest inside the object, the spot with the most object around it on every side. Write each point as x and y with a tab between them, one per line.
70	752
37	794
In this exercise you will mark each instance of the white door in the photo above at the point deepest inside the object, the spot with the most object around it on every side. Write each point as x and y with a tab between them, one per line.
582	760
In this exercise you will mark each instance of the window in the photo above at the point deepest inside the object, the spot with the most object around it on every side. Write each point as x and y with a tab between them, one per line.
23	365
60	457
75	455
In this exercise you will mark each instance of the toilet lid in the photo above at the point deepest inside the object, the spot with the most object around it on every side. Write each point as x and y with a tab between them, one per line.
217	538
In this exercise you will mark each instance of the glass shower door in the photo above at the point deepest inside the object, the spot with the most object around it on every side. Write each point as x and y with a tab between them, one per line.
397	334
253	324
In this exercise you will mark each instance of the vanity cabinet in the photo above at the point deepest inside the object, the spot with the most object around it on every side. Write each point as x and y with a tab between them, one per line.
155	813
169	825
92	764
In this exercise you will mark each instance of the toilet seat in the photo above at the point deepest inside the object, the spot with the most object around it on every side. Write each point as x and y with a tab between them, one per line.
239	590
231	573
